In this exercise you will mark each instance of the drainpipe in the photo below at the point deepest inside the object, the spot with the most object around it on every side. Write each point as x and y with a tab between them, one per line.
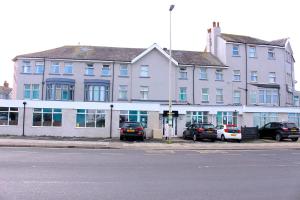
110	127
23	132
194	84
113	82
246	90
43	79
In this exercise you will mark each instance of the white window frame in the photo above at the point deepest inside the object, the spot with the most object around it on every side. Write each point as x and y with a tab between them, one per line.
183	73
54	68
203	73
144	71
183	94
272	77
236	97
123	70
105	71
123	92
219	75
254	77
39	67
89	70
219	95
235	50
144	92
271	53
26	69
68	68
236	75
252	52
205	95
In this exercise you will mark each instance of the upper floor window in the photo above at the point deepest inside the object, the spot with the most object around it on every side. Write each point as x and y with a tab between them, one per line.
96	92
60	92
237	97
39	67
144	71
288	57
144	92
271	53
268	96
235	50
26	67
54	68
32	91
219	75
123	70
68	69
296	101
272	77
182	73
205	95
203	73
236	75
105	70
182	94
253	76
123	90
89	70
8	116
219	95
252	52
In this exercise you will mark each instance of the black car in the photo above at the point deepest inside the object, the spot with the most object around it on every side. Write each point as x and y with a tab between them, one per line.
279	131
200	131
133	130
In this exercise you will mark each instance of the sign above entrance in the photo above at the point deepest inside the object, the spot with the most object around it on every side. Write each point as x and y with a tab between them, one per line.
174	113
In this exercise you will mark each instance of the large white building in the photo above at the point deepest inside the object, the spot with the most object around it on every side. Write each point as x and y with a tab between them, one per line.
81	90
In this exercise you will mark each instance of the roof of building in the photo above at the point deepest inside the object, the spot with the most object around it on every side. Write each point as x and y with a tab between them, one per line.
5	90
252	40
120	54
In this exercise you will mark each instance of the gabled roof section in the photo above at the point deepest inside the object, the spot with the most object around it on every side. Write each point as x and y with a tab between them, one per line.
196	58
252	40
154	46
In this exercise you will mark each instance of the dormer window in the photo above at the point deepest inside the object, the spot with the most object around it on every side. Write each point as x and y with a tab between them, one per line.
235	50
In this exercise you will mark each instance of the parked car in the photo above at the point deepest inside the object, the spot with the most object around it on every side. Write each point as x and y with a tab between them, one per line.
279	131
133	130
200	131
228	132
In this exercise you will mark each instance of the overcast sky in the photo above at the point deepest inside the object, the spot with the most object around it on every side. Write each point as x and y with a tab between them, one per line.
29	26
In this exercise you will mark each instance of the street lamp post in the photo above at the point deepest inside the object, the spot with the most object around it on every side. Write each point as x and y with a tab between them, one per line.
170	117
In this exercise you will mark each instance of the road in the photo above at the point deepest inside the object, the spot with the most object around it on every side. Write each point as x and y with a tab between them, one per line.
87	174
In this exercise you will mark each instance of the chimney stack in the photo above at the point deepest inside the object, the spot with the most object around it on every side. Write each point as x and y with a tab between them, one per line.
209	30
214	24
218	24
5	84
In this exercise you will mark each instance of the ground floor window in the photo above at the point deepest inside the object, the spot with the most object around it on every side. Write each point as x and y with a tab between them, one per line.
260	119
134	116
90	118
294	117
196	117
9	116
47	117
226	118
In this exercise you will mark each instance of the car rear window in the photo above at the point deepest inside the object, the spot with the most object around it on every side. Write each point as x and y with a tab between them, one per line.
208	126
131	125
289	125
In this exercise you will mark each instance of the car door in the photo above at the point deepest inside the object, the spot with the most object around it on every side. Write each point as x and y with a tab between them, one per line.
273	130
265	129
189	131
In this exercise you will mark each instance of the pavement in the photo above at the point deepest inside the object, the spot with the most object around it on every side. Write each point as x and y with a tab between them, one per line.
151	144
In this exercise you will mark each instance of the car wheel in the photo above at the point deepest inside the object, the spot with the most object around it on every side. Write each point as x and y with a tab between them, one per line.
278	137
223	138
194	137
239	141
258	136
212	140
183	136
121	137
294	139
142	138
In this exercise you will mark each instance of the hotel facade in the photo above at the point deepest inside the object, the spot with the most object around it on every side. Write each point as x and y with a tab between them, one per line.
88	91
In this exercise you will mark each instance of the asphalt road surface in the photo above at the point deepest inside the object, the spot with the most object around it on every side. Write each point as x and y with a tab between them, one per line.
85	174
